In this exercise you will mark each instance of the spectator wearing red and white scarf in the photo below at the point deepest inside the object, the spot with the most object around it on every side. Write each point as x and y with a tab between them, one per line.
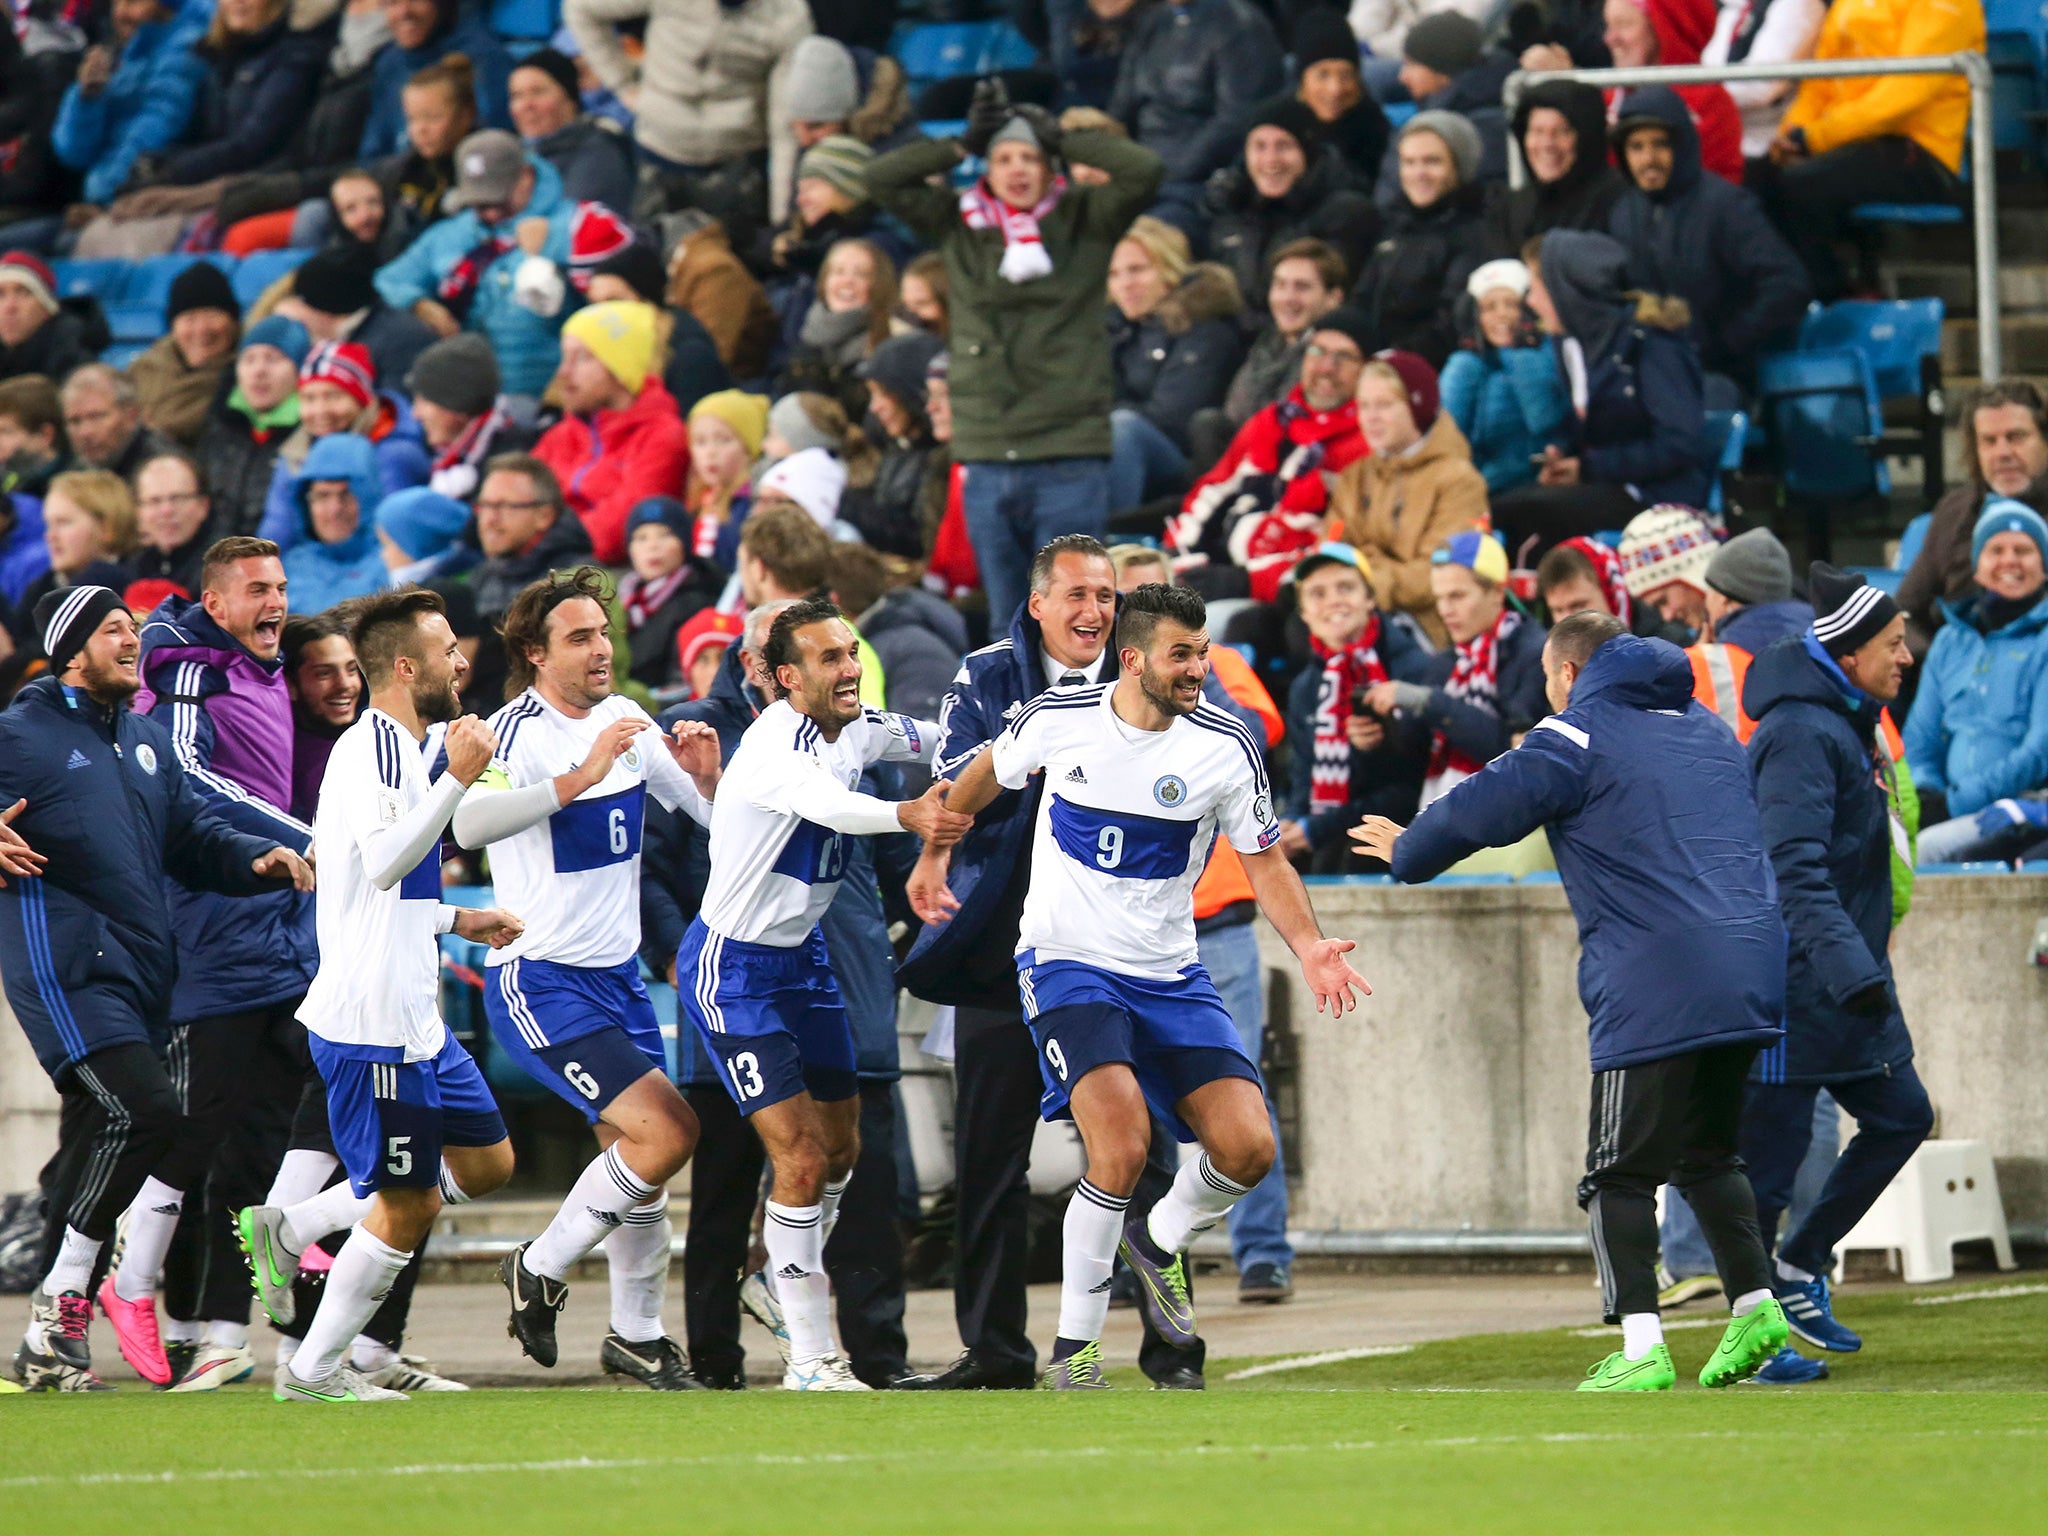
1348	761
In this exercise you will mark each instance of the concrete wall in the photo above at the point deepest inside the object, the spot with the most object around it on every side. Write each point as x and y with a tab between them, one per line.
1457	1098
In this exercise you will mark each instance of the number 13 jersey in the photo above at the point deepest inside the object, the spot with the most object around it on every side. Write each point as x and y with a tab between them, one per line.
1125	824
574	878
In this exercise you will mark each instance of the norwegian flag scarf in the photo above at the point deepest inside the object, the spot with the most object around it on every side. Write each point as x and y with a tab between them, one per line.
459	467
1475	678
457	290
1346	669
1024	257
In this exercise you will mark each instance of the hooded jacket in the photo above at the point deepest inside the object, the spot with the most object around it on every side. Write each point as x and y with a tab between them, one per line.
1978	730
88	952
1179	358
321	575
460	29
1416	274
1398	507
1246	227
257	92
143	108
395	436
595	161
1191	74
1650	812
1642	425
610	462
1509	402
1828	831
1579	199
229	715
1709	242
1683	28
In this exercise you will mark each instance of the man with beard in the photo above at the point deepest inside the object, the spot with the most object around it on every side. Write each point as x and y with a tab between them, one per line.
100	809
565	999
400	1088
1139	776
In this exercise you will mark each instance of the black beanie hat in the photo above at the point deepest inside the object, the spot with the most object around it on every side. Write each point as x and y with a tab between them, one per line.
558	67
1848	611
201	286
1448	42
1291	116
457	373
1350	320
639	267
1324	34
901	364
66	618
337	281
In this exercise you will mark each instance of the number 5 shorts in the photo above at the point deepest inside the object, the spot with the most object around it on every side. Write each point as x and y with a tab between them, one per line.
585	1033
772	1017
390	1118
1174	1035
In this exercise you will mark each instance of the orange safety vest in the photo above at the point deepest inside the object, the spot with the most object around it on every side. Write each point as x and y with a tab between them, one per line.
1717	674
1224	881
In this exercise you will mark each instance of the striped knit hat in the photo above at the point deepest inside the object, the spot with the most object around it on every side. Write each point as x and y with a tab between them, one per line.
67	618
344	364
1847	610
1666	544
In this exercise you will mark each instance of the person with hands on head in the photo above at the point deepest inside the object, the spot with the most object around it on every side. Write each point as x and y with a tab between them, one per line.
1127	1021
1647	801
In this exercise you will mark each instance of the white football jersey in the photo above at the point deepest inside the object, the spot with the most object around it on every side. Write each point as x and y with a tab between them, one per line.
784	811
1125	825
379	981
574	879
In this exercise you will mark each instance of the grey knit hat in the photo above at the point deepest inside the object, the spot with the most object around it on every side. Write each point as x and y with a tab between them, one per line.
788	420
1455	130
1017	130
1448	42
823	85
457	373
1752	567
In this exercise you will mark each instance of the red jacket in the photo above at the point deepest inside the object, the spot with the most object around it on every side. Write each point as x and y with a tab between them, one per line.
1683	28
1263	504
609	463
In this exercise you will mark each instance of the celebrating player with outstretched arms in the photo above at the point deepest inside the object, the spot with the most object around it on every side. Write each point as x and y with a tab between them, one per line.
1139	776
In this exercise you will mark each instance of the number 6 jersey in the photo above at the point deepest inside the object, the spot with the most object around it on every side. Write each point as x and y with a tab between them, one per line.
1125	824
574	877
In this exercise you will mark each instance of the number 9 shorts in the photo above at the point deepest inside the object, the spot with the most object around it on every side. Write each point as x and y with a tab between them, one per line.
391	1118
773	1017
1174	1035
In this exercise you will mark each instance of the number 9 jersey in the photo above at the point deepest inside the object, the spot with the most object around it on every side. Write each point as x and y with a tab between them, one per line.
1125	825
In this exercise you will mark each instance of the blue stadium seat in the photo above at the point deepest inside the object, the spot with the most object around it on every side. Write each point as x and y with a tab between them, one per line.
1398	112
1006	49
1823	414
1727	434
535	19
1911	540
1894	334
943	50
259	269
2016	42
105	280
149	280
1883	577
133	326
122	353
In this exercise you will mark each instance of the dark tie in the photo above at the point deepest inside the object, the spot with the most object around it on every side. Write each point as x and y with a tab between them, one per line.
1072	680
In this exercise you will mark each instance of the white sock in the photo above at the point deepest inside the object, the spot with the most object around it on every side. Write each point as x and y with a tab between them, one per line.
287	1347
1200	1197
796	1257
605	1191
1787	1272
334	1209
1641	1332
1748	1302
1088	1241
72	1270
152	1218
175	1330
368	1354
638	1253
828	1206
356	1286
302	1175
227	1335
452	1193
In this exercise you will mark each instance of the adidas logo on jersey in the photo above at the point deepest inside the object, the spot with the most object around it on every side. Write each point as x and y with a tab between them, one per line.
1076	776
77	760
792	1272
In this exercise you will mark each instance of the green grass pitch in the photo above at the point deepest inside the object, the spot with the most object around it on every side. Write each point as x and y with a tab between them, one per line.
1941	1426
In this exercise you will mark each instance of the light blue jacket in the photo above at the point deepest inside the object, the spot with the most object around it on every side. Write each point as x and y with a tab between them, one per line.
144	108
1979	726
320	575
528	345
1509	402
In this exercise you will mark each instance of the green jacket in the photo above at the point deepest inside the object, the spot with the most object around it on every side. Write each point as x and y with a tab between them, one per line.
1030	375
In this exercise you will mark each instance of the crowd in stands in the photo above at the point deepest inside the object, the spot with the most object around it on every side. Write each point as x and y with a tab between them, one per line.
702	292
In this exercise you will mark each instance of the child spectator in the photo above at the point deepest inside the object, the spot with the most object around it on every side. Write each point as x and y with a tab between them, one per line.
726	433
239	444
179	375
665	588
360	220
424	32
845	321
1664	556
1413	491
336	554
1503	387
1434	238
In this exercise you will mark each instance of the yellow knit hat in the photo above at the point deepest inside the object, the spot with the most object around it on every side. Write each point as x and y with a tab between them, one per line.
746	414
622	337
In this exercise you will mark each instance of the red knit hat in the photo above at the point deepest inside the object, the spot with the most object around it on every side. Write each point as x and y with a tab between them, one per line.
344	364
26	271
1420	381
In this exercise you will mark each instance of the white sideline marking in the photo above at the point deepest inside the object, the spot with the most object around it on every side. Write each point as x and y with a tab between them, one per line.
1996	1293
1327	1357
954	1457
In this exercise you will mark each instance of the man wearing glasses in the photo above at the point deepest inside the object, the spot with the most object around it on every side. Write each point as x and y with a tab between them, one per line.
173	518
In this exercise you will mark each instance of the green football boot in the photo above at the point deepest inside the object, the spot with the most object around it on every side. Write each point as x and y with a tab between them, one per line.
1618	1373
1079	1372
1747	1345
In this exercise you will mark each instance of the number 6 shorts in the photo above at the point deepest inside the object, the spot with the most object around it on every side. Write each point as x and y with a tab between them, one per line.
1174	1035
390	1118
772	1017
585	1033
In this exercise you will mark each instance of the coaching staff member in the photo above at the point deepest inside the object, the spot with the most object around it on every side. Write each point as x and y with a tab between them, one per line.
86	949
1647	799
